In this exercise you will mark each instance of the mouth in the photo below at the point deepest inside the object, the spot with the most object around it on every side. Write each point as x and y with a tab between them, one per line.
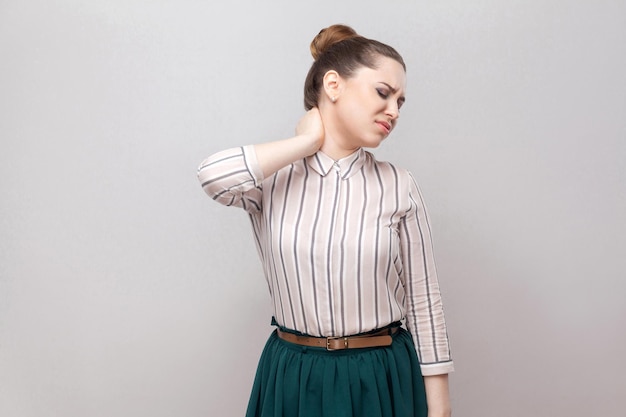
385	126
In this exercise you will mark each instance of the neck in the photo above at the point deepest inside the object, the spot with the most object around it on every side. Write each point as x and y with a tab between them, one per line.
336	152
334	145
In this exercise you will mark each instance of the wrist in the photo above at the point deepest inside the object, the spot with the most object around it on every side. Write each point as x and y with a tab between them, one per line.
445	412
311	143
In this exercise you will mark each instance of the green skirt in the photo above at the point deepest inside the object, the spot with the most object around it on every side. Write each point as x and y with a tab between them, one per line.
299	381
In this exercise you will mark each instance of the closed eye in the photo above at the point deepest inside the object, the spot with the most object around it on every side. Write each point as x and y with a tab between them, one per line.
382	93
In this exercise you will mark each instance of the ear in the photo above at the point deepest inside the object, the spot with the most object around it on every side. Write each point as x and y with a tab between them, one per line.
332	85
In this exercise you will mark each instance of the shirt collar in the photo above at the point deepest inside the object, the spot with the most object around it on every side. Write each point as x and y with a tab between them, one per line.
348	166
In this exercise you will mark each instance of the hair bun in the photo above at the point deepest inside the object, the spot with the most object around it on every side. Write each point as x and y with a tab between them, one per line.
330	36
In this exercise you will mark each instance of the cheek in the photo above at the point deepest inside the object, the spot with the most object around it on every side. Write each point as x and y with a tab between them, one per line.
355	118
359	107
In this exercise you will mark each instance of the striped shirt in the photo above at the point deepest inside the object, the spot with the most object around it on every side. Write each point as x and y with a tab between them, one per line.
345	245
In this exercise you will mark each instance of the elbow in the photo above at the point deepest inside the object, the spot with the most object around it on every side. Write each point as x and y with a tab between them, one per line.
208	181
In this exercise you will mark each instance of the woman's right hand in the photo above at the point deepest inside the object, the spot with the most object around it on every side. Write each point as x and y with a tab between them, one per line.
309	138
311	127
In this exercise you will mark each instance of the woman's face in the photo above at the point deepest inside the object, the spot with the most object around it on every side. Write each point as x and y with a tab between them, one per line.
368	104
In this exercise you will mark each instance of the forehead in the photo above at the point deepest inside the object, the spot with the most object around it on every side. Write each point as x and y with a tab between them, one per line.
388	71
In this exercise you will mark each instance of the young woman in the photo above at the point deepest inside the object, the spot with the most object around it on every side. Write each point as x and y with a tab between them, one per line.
345	245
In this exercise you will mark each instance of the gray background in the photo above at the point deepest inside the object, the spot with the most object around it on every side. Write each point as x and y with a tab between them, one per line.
125	291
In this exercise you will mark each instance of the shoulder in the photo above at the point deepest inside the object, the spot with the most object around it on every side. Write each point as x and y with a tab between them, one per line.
402	175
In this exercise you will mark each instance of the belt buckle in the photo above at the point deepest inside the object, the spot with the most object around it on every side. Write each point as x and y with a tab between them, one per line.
345	343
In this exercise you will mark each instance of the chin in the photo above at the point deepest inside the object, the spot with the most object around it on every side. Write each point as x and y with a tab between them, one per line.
374	143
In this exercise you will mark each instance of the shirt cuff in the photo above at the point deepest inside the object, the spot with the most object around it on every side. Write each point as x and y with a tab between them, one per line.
252	163
437	368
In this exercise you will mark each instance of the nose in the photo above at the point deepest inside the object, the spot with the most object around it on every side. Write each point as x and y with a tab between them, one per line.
392	111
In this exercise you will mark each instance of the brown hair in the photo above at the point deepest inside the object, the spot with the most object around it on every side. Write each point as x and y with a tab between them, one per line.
340	48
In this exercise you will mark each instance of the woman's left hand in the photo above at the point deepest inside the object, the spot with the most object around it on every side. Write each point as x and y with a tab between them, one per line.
438	395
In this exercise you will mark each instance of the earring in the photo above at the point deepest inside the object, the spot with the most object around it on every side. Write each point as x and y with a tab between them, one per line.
333	99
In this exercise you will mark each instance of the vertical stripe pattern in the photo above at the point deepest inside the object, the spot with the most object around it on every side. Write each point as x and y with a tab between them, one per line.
345	245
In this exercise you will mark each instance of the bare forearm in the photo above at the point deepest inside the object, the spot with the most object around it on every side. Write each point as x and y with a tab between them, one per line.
437	395
309	137
273	156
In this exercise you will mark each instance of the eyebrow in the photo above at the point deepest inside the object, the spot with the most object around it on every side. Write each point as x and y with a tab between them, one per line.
393	90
